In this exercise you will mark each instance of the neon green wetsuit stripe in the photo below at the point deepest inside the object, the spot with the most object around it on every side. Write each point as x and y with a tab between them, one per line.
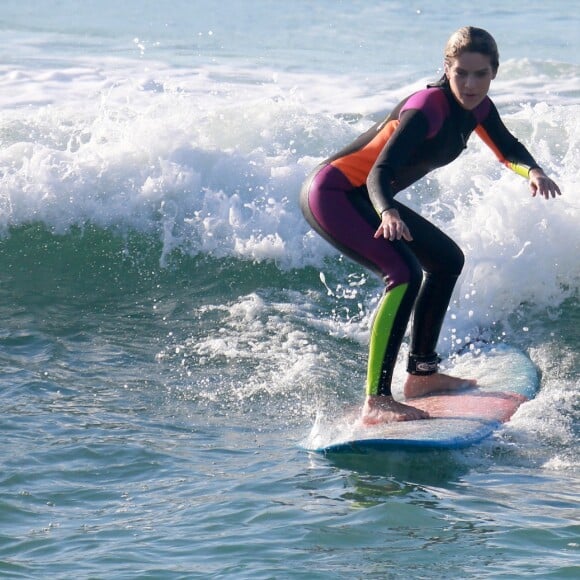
381	334
518	168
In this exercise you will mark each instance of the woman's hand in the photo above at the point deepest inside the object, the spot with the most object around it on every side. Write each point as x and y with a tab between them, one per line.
393	227
541	184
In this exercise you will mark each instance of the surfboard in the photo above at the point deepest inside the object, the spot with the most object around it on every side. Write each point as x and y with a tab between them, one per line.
506	378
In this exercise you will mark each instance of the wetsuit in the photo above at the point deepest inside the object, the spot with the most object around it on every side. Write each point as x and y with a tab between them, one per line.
345	196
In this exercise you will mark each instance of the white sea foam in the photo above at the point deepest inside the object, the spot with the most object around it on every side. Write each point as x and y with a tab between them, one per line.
211	160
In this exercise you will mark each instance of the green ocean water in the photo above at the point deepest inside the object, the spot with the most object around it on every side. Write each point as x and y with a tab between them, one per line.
126	454
171	329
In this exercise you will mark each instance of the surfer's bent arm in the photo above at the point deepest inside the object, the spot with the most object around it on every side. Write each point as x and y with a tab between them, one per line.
505	146
514	155
412	129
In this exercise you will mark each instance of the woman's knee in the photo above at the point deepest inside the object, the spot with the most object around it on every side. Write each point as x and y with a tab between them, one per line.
402	268
450	262
456	262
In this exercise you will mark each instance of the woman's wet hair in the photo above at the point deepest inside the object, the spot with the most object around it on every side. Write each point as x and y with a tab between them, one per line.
472	39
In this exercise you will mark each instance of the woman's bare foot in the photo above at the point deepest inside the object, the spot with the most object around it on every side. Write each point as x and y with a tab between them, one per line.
382	409
420	385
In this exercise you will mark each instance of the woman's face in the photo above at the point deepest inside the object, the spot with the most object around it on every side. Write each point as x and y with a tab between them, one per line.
470	75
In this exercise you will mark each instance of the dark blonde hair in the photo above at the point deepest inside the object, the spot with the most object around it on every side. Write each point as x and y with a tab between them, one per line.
472	39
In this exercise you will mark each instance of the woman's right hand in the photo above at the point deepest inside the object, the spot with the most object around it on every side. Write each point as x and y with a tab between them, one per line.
393	227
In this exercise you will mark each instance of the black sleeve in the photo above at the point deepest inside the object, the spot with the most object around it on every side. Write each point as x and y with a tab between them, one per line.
411	132
505	146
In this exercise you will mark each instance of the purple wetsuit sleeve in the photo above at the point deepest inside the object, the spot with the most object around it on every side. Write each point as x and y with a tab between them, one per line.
433	104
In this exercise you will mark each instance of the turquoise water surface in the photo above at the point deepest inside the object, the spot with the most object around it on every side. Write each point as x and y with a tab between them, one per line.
171	328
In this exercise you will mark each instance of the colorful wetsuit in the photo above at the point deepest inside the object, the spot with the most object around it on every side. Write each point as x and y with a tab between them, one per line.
344	198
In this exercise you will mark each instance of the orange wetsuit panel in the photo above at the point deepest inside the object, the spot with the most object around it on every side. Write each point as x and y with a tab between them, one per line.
356	166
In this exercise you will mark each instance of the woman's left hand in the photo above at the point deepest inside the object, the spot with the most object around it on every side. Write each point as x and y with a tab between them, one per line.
541	184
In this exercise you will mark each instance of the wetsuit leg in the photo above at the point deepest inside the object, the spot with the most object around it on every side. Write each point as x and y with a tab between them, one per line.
348	221
442	261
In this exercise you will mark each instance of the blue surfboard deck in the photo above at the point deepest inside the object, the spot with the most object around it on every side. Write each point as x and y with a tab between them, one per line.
506	378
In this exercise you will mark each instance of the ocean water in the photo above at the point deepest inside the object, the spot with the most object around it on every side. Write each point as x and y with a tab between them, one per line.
171	329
